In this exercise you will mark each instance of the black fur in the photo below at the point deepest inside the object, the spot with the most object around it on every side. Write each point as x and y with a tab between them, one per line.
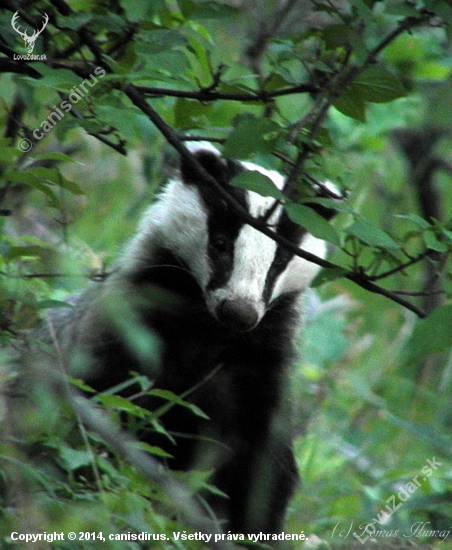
244	398
236	378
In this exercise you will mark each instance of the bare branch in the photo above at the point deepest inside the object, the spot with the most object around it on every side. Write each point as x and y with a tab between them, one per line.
401	267
209	95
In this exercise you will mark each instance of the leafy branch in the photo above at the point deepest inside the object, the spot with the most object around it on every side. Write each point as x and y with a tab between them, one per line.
356	277
121	443
334	85
337	86
165	83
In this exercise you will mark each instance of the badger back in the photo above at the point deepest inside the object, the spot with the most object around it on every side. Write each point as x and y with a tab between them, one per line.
240	271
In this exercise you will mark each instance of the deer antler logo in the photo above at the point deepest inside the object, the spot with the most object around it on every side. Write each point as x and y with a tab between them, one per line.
29	40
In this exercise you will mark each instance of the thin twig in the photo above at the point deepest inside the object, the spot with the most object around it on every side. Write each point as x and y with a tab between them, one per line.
401	267
122	443
207	94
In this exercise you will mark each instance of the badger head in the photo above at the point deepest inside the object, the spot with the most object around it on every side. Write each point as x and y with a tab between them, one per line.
241	272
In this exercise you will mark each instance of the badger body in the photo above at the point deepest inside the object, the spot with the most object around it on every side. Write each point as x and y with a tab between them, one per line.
224	301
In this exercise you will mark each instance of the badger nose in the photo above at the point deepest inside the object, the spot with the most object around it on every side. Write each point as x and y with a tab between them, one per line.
238	314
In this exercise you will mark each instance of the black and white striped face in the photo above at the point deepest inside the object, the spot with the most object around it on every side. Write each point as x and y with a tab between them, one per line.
241	271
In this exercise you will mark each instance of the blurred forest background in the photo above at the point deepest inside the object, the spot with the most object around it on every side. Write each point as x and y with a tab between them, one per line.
359	93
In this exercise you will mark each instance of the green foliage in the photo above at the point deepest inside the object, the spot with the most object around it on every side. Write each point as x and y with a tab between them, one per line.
358	94
374	85
312	222
258	183
426	339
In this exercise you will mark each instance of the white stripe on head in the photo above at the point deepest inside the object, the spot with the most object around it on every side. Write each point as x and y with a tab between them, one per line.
253	256
180	223
179	220
299	272
277	178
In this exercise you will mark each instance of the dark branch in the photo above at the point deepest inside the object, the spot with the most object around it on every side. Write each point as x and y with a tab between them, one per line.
338	86
210	95
324	100
358	278
401	267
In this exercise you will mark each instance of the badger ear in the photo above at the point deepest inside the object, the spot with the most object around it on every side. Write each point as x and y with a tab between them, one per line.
324	211
223	170
212	163
326	190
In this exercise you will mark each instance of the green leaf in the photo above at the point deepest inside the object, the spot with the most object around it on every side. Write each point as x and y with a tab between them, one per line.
126	63
157	41
374	85
204	10
251	135
79	384
432	241
198	46
433	334
235	88
31	250
122	118
152	449
73	459
136	10
258	183
40	177
54	176
176	400
333	204
312	222
57	79
119	403
52	304
402	8
143	382
324	340
325	275
91	126
371	235
24	176
442	8
420	222
378	85
55	156
432	71
70	186
425	432
276	82
191	114
336	35
50	174
351	106
31	471
77	20
111	21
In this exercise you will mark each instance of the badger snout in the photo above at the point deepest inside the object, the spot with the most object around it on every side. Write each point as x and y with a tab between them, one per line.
240	314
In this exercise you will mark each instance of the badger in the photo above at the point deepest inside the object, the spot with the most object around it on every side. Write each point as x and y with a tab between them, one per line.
223	302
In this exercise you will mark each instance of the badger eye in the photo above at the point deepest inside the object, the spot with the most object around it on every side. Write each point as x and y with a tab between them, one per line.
219	243
279	262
